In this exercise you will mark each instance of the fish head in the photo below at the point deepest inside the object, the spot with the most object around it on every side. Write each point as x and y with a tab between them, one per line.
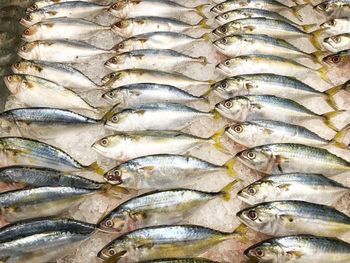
28	50
222	7
257	158
337	42
244	132
226	41
30	34
125	45
114	176
225	17
229	64
21	67
326	7
229	87
334	25
114	62
235	108
116	250
32	18
266	251
114	97
222	31
334	59
111	146
34	7
256	192
120	27
115	221
119	9
14	83
120	121
113	76
260	217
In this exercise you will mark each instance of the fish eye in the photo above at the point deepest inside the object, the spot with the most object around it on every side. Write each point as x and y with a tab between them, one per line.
227	62
251	155
104	142
111	94
29	18
223	40
224	84
259	252
252	215
336	39
24	48
115	6
335	59
331	22
251	190
118	24
223	29
225	16
111	251
115	118
34	7
113	60
16	65
9	78
26	32
120	45
238	128
109	223
228	104
323	6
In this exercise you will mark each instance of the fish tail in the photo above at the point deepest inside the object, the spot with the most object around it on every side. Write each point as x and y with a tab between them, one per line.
296	9
317	56
203	24
314	35
328	119
96	168
323	74
215	139
203	60
308	28
199	10
216	115
241	231
229	165
331	102
339	138
205	37
226	191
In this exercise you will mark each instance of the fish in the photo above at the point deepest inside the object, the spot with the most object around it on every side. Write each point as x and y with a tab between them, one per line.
8	40
43	3
180	260
159	208
159	116
23	151
240	13
280	158
126	146
272	84
42	239
141	25
267	26
75	9
61	51
329	6
159	40
30	176
63	28
152	59
40	202
282	218
59	73
174	241
262	132
340	59
38	92
313	188
248	44
254	64
133	94
337	43
271	5
264	107
335	26
299	248
163	8
138	76
343	136
163	171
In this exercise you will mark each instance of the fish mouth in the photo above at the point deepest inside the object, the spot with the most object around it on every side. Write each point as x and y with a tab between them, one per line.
215	10
109	126
222	69
223	111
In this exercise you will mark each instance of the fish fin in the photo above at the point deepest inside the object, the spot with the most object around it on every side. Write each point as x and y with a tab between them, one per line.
338	139
308	28
215	139
226	191
205	96
323	74
110	113
149	168
328	119
314	35
115	190
295	254
279	160
241	230
331	102
203	24
203	60
229	165
199	10
95	167
334	90
205	37
287	218
283	186
216	115
296	9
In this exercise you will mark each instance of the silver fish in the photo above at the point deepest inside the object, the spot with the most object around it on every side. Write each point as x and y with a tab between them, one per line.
337	43
42	240
62	74
158	208
282	158
22	151
281	218
126	146
63	28
160	116
159	40
163	8
330	6
301	249
174	241
132	95
43	3
76	9
335	26
180	260
135	76
313	188
140	25
163	171
261	132
61	51
152	59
